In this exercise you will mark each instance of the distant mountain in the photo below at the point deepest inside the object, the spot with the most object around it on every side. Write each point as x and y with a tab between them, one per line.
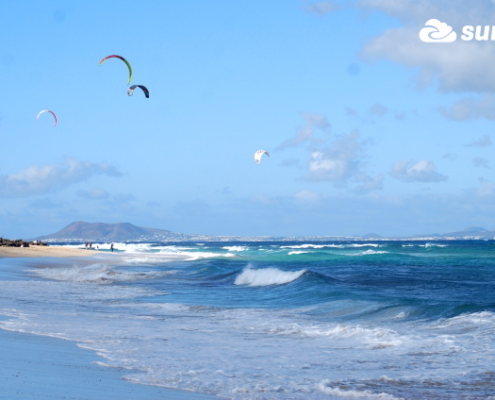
473	232
80	232
121	232
372	236
474	229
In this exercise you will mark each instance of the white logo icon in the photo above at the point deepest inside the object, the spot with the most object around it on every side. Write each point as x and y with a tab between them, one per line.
436	31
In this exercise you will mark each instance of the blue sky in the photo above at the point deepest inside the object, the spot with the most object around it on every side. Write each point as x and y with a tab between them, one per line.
369	128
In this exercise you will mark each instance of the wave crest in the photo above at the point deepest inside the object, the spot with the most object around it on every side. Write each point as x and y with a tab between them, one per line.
368	252
267	277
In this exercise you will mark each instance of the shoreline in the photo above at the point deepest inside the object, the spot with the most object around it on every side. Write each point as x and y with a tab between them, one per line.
49	368
48	251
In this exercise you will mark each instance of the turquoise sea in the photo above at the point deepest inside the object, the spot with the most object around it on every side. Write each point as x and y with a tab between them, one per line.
273	320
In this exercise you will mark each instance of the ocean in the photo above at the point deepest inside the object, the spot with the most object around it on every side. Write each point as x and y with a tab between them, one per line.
273	320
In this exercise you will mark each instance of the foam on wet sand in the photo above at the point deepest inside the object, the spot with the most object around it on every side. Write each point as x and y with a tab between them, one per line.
45	368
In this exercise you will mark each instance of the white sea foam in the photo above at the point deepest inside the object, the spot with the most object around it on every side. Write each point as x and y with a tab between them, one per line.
96	273
366	337
313	246
364	245
368	252
171	248
400	315
330	246
291	253
62	293
266	277
154	258
428	245
325	387
122	247
236	248
202	255
130	247
167	255
150	248
464	323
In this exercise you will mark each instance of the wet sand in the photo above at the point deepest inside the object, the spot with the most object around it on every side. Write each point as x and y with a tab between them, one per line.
47	251
45	368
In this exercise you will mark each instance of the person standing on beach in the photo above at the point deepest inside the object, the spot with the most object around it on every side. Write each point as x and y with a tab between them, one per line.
111	247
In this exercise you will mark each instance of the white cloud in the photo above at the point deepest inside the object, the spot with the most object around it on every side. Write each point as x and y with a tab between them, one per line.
322	7
450	156
307	197
484	141
124	198
45	178
458	66
369	184
454	12
351	112
471	108
336	163
481	162
95	194
378	109
324	167
486	189
335	158
316	120
302	136
306	132
421	171
375	111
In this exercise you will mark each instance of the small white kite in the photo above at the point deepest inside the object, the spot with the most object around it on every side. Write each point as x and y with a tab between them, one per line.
48	111
258	154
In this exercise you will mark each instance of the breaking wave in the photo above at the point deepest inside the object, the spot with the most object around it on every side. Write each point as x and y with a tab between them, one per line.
267	276
368	252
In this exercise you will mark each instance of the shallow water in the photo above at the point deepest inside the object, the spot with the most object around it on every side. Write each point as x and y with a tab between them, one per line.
378	320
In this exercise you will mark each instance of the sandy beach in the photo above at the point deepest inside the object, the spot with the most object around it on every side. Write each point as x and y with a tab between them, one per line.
38	367
45	368
46	251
